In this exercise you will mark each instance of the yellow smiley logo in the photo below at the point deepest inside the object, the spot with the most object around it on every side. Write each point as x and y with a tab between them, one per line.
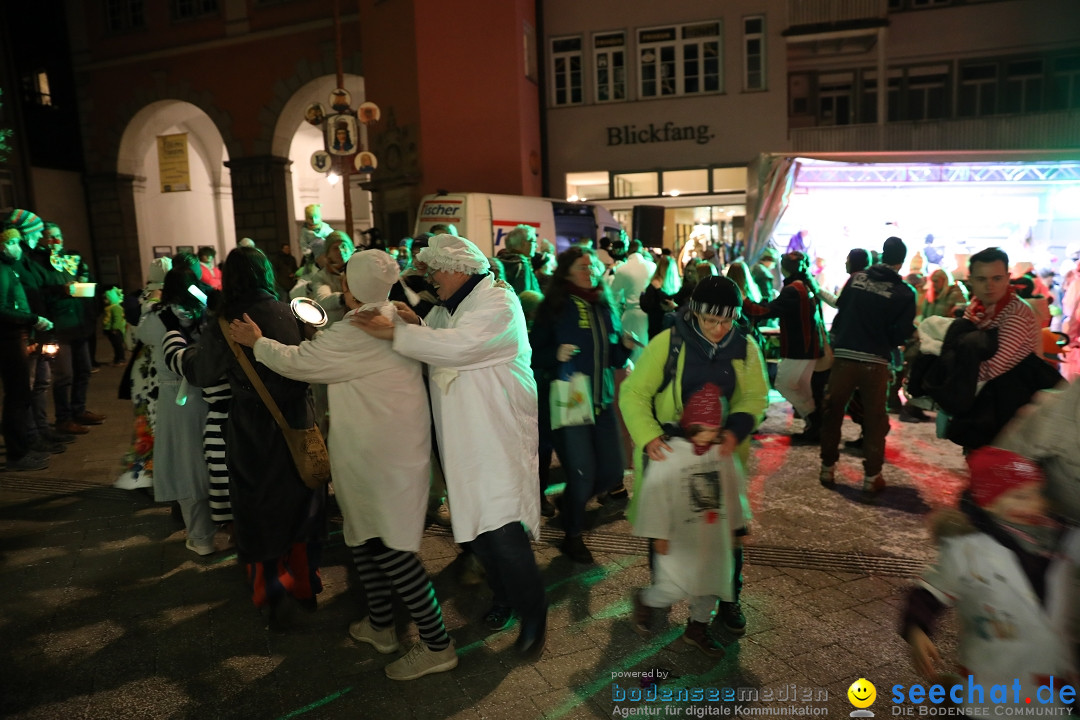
862	693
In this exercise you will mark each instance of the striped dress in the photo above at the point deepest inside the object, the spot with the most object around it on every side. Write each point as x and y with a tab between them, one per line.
217	398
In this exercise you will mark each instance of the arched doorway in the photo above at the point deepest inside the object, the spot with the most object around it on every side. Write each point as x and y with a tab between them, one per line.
297	140
201	215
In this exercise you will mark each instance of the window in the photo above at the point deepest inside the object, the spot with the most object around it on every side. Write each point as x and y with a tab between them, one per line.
1065	83
868	112
587	186
123	15
978	90
566	71
729	179
1023	86
191	9
36	89
799	94
644	184
680	60
927	93
834	99
686	182
754	53
609	61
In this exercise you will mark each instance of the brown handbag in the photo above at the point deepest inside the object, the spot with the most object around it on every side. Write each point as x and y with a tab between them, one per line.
306	445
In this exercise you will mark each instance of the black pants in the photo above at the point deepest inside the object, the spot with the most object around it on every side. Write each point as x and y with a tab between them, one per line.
511	570
116	339
15	374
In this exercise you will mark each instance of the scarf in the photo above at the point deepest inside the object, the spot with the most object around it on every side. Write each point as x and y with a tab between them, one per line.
981	316
589	295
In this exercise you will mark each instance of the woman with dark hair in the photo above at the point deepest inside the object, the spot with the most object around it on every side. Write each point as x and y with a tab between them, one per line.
802	339
180	472
577	331
662	294
278	521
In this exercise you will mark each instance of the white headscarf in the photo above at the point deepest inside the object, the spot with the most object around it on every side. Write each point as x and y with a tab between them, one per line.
453	254
371	273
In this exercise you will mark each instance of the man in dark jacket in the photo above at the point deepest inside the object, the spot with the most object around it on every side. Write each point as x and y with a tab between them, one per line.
876	315
16	321
516	258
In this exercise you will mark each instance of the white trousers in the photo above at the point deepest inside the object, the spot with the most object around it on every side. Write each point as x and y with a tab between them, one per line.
664	592
197	520
793	382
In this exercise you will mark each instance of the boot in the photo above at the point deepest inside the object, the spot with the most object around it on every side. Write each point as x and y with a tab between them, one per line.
811	433
697	634
641	617
731	613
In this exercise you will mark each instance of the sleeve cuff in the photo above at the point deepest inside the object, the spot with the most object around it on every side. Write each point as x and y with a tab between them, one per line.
742	424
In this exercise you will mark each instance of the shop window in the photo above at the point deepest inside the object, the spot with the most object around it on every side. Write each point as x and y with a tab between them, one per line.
123	15
1023	86
587	186
754	53
729	179
643	184
680	60
609	64
566	71
978	90
686	182
834	99
1065	83
191	9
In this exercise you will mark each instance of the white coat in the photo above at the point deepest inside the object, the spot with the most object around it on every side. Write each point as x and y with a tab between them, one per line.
380	437
696	504
1006	632
483	397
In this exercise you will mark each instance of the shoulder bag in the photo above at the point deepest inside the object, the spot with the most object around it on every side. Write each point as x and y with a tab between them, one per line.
306	445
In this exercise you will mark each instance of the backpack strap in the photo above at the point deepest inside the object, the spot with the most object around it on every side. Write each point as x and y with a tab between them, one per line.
674	348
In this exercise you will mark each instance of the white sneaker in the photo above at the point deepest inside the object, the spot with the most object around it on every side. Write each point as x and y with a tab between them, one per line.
200	549
422	660
385	641
133	481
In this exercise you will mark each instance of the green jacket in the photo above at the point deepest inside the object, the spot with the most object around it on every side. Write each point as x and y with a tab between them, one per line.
645	408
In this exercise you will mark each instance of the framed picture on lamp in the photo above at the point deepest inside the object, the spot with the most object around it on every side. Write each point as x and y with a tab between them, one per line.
162	251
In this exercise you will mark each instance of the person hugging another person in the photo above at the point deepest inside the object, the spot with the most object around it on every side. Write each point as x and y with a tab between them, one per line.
1009	568
693	505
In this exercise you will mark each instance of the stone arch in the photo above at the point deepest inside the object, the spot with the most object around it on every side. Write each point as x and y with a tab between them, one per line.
201	216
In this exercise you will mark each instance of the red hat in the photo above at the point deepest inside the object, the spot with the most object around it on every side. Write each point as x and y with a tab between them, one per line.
995	471
704	408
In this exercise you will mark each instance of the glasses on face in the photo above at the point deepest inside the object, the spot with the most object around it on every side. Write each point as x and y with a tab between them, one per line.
712	321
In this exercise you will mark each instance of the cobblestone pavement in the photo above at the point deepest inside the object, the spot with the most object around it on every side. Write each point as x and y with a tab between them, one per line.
105	614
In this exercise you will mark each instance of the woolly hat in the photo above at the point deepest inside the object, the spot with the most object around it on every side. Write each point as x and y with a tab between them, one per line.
716	295
370	274
453	254
893	251
25	222
155	276
8	235
703	408
995	471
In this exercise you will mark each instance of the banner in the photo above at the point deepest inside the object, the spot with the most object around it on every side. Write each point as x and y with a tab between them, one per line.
172	153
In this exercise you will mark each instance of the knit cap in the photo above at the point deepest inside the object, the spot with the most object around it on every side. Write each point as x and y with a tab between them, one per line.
25	222
704	408
716	295
995	471
370	274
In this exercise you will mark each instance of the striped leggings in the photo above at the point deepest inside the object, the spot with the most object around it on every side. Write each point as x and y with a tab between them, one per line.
383	571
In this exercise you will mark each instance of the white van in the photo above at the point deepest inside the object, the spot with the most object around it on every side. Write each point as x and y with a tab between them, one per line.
486	219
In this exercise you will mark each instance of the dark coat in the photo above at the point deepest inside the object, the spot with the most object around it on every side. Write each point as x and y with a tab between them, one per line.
272	508
802	332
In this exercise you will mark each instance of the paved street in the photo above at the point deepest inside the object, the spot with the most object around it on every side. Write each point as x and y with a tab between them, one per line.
105	614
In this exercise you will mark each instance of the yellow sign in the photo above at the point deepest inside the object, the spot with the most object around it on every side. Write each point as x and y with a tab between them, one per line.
172	151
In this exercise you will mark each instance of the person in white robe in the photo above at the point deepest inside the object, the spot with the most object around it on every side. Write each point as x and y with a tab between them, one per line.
483	399
380	449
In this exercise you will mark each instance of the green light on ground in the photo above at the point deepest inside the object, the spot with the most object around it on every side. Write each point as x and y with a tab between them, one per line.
317	704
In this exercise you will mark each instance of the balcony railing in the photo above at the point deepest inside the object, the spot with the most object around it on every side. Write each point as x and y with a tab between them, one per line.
1042	131
834	12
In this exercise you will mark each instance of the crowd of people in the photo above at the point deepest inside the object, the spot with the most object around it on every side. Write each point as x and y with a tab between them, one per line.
645	380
